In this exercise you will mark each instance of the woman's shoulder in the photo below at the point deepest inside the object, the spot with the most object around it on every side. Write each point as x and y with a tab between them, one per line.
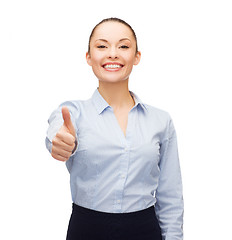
71	103
152	110
76	106
157	112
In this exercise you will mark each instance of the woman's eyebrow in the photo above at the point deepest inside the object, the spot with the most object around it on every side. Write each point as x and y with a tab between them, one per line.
101	40
104	40
124	39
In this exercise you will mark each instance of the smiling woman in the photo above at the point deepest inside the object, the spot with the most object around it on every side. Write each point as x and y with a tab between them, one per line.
120	152
112	51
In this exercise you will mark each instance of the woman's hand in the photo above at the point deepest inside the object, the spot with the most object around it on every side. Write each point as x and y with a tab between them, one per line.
63	143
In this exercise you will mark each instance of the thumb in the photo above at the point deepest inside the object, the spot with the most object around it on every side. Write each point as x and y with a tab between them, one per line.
67	121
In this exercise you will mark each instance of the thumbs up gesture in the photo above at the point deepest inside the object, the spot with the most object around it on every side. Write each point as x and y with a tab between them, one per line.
63	143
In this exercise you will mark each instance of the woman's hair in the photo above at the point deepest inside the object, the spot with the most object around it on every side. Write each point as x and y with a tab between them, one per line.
112	19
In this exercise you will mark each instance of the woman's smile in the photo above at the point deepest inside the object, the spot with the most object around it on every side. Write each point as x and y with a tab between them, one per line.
112	66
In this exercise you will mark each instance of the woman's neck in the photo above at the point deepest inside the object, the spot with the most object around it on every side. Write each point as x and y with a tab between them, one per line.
117	94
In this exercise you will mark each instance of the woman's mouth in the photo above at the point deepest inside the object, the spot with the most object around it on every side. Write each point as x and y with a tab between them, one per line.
112	67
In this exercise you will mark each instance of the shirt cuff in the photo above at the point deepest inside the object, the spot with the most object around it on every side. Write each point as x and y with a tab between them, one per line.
48	144
52	130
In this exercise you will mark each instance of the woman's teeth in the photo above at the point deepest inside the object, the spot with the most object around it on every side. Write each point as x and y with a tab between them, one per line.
112	66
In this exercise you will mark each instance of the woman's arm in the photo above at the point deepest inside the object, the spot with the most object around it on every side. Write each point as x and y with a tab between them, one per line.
169	205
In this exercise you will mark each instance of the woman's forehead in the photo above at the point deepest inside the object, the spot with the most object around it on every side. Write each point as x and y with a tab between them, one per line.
108	30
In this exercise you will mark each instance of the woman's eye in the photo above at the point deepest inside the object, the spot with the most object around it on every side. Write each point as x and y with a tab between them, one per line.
101	46
124	46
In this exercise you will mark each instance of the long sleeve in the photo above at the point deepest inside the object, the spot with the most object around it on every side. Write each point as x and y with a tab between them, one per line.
169	205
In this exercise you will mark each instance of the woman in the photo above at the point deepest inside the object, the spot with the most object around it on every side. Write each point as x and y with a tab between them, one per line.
121	153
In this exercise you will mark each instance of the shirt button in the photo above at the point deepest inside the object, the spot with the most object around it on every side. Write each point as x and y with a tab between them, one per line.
126	149
118	201
123	176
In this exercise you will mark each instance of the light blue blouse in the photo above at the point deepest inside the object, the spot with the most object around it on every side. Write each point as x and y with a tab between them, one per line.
111	172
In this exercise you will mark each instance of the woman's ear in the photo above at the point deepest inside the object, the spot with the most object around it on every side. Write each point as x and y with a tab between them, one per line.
88	59
137	58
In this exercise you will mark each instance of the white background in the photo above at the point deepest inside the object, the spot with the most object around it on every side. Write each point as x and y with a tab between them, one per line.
186	69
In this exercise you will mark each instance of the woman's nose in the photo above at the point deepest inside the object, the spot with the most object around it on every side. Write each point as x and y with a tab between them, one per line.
113	53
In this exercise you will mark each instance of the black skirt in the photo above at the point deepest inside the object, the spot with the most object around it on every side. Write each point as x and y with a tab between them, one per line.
88	224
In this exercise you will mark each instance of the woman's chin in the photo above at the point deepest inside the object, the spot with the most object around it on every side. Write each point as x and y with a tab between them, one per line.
112	80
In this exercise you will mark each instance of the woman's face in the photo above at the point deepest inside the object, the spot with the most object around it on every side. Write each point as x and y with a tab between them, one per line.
112	52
